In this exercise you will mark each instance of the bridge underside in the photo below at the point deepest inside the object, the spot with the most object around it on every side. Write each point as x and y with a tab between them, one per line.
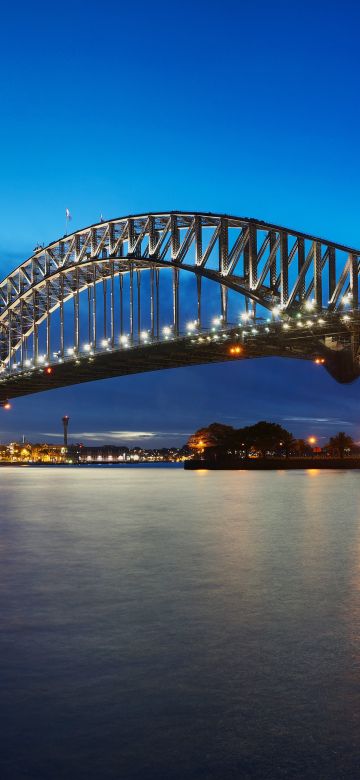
338	360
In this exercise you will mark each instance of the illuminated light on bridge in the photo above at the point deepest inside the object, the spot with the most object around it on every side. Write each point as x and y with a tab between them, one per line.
159	291
309	305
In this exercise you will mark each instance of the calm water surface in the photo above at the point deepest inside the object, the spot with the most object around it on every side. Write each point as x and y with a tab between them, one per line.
161	624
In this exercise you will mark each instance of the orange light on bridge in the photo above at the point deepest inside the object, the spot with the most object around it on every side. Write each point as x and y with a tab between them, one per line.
235	350
312	439
319	361
6	405
49	370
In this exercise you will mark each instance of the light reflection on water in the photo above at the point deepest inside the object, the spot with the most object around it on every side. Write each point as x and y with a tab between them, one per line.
157	623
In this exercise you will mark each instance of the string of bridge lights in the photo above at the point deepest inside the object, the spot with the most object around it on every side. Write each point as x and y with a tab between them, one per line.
218	323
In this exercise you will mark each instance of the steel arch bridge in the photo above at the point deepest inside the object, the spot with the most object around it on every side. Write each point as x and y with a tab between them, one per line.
153	291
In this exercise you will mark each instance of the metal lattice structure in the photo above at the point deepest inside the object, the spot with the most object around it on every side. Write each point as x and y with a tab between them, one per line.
157	290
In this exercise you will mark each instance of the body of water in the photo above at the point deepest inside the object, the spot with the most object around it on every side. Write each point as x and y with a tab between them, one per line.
158	624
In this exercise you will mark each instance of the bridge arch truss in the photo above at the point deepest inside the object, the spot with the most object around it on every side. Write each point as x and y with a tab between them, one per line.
140	280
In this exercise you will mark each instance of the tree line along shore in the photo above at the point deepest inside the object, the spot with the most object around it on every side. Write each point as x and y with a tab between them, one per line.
269	445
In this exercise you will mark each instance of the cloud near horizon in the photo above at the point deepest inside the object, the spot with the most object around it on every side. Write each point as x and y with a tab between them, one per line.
327	420
103	436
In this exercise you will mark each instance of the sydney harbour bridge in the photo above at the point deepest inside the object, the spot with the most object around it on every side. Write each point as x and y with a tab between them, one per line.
164	290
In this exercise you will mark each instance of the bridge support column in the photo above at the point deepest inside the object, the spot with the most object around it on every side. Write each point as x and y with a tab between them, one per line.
10	341
94	328
198	286
22	345
131	293
48	323
89	313
176	301
138	281
104	285
157	284
36	329
121	303
112	311
76	313
62	339
224	304
152	301
76	324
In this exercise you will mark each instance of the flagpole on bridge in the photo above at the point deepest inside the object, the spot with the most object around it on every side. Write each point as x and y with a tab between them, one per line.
68	218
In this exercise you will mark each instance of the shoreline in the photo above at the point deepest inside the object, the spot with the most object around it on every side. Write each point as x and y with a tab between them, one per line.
109	464
272	464
250	464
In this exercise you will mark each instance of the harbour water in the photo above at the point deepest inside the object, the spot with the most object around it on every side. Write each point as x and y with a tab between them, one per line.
158	624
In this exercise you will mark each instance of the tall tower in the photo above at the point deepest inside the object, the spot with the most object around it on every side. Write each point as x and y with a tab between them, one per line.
65	421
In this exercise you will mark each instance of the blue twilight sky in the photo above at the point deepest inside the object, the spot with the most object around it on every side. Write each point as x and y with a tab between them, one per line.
243	108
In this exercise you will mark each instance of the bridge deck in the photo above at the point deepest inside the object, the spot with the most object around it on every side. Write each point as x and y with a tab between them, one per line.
167	354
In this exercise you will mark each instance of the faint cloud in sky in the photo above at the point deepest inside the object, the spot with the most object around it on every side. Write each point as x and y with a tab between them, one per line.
325	420
291	418
120	436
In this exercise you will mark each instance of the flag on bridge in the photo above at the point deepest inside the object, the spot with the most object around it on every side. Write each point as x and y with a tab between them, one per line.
68	215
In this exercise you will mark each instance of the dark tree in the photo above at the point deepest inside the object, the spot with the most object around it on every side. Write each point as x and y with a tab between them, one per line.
339	443
266	437
302	448
263	437
214	435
